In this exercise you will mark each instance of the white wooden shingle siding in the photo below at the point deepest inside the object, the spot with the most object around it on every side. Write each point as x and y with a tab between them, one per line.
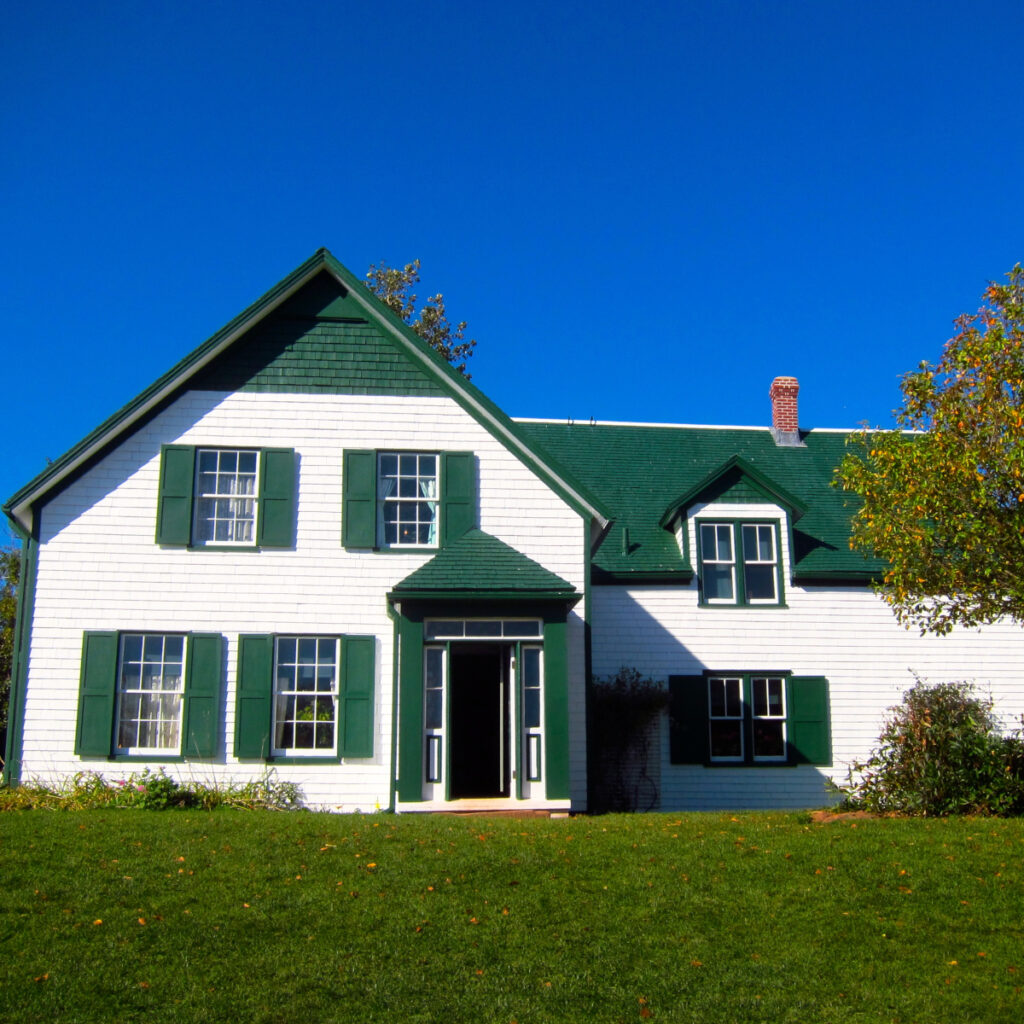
101	569
847	634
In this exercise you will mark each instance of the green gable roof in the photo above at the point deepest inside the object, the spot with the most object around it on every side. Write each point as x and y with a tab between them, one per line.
645	473
318	329
480	565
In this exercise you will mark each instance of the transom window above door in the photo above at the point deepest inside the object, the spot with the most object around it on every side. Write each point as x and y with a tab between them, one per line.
407	497
482	629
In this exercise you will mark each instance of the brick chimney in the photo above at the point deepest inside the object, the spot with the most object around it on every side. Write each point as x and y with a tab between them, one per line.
785	418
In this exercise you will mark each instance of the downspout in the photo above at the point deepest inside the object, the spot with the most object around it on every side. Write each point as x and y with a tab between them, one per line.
393	779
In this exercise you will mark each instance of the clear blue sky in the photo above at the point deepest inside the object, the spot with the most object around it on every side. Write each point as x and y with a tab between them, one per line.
645	211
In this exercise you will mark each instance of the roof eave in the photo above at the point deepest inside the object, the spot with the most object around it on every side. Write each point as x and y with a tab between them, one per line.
19	506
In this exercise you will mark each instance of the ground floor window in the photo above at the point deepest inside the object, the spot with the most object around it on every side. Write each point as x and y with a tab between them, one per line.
150	695
306	692
151	684
749	718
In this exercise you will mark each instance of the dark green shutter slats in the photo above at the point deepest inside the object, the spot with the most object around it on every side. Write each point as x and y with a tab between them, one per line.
355	729
174	504
97	695
277	498
810	738
359	499
203	672
254	687
688	719
458	495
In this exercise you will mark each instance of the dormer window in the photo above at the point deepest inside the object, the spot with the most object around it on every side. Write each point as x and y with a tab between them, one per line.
739	563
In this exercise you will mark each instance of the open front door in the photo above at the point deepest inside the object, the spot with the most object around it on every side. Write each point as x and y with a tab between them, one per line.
479	721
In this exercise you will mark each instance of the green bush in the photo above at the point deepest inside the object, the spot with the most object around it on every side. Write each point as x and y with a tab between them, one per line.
151	791
941	753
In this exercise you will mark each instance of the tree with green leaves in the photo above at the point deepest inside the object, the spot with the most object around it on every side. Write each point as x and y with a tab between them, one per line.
943	497
394	287
10	571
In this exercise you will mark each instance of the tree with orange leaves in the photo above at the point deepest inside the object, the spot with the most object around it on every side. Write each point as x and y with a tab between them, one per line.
943	497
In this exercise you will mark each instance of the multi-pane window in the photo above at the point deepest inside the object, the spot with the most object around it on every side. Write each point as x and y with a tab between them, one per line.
768	717
226	496
407	499
744	709
759	562
725	718
306	695
739	563
718	562
150	687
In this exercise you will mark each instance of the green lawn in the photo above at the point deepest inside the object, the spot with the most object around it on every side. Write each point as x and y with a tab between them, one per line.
127	915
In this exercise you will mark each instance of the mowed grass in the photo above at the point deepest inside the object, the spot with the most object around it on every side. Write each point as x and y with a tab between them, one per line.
280	917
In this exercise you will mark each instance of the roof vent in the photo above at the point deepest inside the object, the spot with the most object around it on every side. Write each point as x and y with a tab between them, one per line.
785	418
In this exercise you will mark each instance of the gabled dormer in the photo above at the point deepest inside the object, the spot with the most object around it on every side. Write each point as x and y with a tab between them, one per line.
734	528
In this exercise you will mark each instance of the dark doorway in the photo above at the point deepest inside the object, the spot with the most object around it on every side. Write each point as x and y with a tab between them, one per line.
478	721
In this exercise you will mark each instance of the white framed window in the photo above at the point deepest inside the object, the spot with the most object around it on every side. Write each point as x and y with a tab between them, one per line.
305	696
746	709
768	717
725	718
760	563
226	496
739	563
151	684
407	499
718	563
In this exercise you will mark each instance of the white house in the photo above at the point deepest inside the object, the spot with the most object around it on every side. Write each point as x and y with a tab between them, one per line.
314	546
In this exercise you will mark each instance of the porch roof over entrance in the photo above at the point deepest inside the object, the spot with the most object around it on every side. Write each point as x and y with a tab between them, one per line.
480	565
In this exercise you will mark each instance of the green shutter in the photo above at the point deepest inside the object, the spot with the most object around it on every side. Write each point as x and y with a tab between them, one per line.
688	721
277	498
97	695
203	671
174	504
358	669
359	500
810	738
458	495
254	690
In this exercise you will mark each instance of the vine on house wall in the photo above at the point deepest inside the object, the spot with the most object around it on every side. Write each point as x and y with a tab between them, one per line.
624	711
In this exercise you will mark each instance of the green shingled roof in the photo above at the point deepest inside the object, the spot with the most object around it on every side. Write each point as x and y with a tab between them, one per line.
482	565
640	472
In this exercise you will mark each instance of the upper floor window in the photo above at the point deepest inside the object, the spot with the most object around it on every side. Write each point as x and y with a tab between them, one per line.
739	563
226	496
396	500
407	499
